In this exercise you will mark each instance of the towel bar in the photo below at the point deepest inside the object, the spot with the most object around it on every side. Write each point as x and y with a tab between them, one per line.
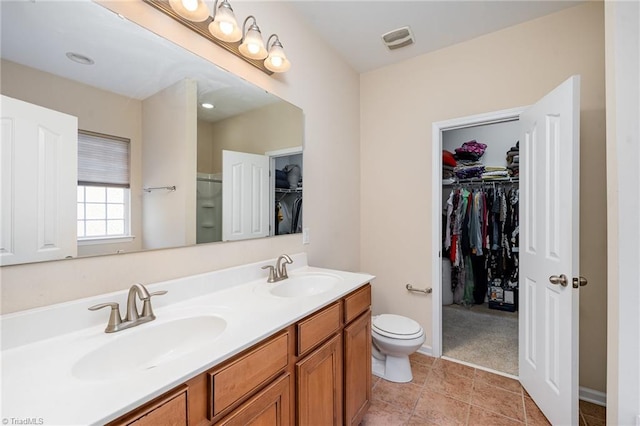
419	290
168	188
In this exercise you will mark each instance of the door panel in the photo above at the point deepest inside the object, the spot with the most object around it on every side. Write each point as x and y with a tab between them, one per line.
550	211
245	196
38	156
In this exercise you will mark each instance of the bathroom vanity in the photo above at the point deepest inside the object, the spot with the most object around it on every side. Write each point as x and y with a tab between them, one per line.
227	348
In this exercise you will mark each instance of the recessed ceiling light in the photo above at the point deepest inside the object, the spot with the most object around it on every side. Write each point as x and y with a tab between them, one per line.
207	105
81	59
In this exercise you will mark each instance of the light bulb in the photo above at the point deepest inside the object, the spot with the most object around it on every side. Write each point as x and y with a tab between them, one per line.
276	61
253	48
190	5
226	27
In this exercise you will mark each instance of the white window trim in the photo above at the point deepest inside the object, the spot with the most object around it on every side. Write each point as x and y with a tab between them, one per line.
105	240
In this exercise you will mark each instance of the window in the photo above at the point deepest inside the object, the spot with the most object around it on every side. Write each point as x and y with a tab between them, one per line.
103	186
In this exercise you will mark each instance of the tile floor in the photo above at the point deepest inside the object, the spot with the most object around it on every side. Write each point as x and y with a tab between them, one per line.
447	393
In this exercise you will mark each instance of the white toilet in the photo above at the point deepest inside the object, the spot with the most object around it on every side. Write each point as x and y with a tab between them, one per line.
394	338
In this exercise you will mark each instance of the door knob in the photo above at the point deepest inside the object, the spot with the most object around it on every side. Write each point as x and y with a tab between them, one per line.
562	280
579	282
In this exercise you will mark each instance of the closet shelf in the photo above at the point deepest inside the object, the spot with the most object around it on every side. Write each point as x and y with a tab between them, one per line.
478	181
288	191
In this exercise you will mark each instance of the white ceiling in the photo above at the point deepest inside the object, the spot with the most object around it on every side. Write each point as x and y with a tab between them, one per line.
354	28
129	60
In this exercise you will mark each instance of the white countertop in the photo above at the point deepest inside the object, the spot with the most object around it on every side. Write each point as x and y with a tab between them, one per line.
41	346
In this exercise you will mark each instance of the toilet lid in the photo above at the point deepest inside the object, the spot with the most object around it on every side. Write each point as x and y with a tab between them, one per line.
396	326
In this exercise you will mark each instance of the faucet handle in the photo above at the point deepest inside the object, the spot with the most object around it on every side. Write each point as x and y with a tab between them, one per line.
147	310
272	273
114	317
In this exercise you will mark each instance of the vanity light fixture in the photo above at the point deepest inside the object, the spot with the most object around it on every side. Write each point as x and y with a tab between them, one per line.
252	45
193	10
224	25
223	30
276	61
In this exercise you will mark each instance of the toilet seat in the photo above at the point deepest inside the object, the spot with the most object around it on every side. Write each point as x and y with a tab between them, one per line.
396	327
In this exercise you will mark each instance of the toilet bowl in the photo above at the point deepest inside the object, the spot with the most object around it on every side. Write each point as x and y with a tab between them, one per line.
394	338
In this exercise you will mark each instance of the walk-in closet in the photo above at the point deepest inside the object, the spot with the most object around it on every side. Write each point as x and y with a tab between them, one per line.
480	245
288	194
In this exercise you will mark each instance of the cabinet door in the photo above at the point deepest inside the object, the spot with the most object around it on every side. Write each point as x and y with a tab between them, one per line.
319	385
170	410
268	408
357	369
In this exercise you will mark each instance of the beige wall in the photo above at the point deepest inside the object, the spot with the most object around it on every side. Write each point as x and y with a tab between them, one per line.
326	89
97	111
276	126
505	69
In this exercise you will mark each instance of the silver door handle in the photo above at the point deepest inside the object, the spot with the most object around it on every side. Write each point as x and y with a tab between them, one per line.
562	280
579	282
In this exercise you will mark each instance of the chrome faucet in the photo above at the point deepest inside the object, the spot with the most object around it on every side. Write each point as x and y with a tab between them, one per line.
279	272
133	317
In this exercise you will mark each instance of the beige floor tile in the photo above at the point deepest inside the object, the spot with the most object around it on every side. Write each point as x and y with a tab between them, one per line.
420	373
454	368
374	380
417	421
497	400
480	417
449	384
594	421
535	417
381	413
403	396
438	409
421	359
507	383
593	410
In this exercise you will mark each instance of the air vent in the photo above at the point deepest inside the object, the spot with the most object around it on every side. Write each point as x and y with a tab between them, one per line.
398	38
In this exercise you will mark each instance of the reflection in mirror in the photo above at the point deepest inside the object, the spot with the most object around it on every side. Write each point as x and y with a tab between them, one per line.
81	64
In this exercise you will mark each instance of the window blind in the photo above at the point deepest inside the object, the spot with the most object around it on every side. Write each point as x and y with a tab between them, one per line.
103	160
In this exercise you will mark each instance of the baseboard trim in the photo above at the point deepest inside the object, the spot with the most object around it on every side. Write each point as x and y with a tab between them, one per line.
425	350
593	396
584	393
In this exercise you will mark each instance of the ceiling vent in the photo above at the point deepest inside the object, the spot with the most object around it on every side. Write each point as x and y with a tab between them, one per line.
398	38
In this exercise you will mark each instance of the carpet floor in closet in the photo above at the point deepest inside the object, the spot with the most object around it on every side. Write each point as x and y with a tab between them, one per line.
481	336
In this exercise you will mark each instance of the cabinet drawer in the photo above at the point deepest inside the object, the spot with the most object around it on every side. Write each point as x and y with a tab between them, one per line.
318	327
169	409
270	406
240	378
356	303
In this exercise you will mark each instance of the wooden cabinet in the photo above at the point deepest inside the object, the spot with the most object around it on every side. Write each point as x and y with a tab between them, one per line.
319	385
270	407
170	409
316	371
357	369
238	379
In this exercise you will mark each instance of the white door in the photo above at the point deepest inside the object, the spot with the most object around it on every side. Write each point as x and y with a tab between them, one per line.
549	209
245	196
39	169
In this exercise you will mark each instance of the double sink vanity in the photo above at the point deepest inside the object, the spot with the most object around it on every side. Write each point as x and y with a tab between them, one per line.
225	347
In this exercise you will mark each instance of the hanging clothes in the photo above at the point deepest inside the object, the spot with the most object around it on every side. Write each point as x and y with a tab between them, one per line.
481	239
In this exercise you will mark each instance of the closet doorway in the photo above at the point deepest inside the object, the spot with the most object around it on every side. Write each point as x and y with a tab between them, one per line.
477	277
549	267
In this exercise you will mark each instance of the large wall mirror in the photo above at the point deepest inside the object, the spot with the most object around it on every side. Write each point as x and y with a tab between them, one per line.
134	142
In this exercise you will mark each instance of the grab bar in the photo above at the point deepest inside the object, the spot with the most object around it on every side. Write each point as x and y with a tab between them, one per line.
419	290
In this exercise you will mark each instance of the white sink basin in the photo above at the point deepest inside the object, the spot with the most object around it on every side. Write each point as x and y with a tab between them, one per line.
148	346
306	284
